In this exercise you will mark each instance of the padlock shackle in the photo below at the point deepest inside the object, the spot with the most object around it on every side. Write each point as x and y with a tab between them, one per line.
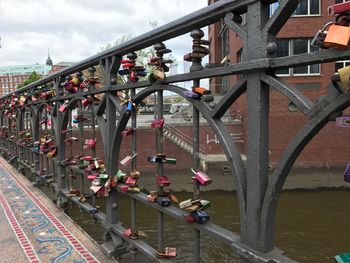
327	25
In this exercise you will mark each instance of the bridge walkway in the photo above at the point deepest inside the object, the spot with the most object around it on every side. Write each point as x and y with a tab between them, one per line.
34	230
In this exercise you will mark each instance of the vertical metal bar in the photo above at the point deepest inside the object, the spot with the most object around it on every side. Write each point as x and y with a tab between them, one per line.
160	169
257	129
196	189
111	201
93	149
133	164
81	139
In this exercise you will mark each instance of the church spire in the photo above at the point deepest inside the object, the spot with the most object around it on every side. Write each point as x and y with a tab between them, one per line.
49	60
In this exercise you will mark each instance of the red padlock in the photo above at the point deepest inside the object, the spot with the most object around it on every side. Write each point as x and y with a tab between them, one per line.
189	218
128	131
163	181
157	123
131	181
122	187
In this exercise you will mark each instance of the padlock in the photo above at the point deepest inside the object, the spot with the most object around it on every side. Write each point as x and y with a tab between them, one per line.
191	94
202	178
122	187
193	207
91	177
187	203
120	176
103	178
96	188
141	73
347	174
170	160
96	163
205	204
128	131
128	65
201	91
157	123
130	181
152	197
200	216
163	201
127	233
173	198
320	36
87	158
135	174
343	122
158	73
155	159
123	72
337	37
126	160
63	107
133	189
338	8
86	102
189	218
167	253
163	180
344	75
129	107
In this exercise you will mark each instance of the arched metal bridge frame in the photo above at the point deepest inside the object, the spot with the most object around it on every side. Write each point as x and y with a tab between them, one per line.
258	191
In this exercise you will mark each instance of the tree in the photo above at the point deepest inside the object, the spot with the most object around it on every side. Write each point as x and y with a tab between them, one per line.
32	78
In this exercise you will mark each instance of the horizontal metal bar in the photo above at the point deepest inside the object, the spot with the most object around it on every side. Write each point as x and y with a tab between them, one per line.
322	56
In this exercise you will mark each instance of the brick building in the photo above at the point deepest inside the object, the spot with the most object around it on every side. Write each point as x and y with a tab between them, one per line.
12	76
330	147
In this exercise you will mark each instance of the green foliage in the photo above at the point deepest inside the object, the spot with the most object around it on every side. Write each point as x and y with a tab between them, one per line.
32	78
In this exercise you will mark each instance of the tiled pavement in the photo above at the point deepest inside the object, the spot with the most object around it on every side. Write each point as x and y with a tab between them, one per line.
34	230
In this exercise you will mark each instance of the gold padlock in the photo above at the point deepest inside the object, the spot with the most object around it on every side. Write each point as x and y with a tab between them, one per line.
337	37
158	73
344	75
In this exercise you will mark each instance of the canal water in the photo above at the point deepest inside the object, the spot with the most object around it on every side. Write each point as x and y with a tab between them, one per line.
311	226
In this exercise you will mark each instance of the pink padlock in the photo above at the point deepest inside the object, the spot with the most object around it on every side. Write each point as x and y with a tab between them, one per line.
122	187
128	131
202	178
91	177
130	181
127	159
157	123
63	107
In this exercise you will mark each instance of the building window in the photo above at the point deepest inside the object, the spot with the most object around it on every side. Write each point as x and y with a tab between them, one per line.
341	64
295	46
308	8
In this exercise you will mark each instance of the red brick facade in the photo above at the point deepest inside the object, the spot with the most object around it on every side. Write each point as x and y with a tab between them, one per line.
331	146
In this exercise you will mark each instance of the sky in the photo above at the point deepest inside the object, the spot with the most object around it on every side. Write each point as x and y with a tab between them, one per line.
76	29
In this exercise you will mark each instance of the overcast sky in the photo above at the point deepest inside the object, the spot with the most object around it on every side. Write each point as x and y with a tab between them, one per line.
76	29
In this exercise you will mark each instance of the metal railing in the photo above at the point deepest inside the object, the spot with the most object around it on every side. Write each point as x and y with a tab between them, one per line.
29	143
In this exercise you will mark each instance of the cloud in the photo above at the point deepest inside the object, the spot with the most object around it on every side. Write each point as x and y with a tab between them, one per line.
75	30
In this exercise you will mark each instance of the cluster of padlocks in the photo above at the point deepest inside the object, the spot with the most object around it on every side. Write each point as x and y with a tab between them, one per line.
93	169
